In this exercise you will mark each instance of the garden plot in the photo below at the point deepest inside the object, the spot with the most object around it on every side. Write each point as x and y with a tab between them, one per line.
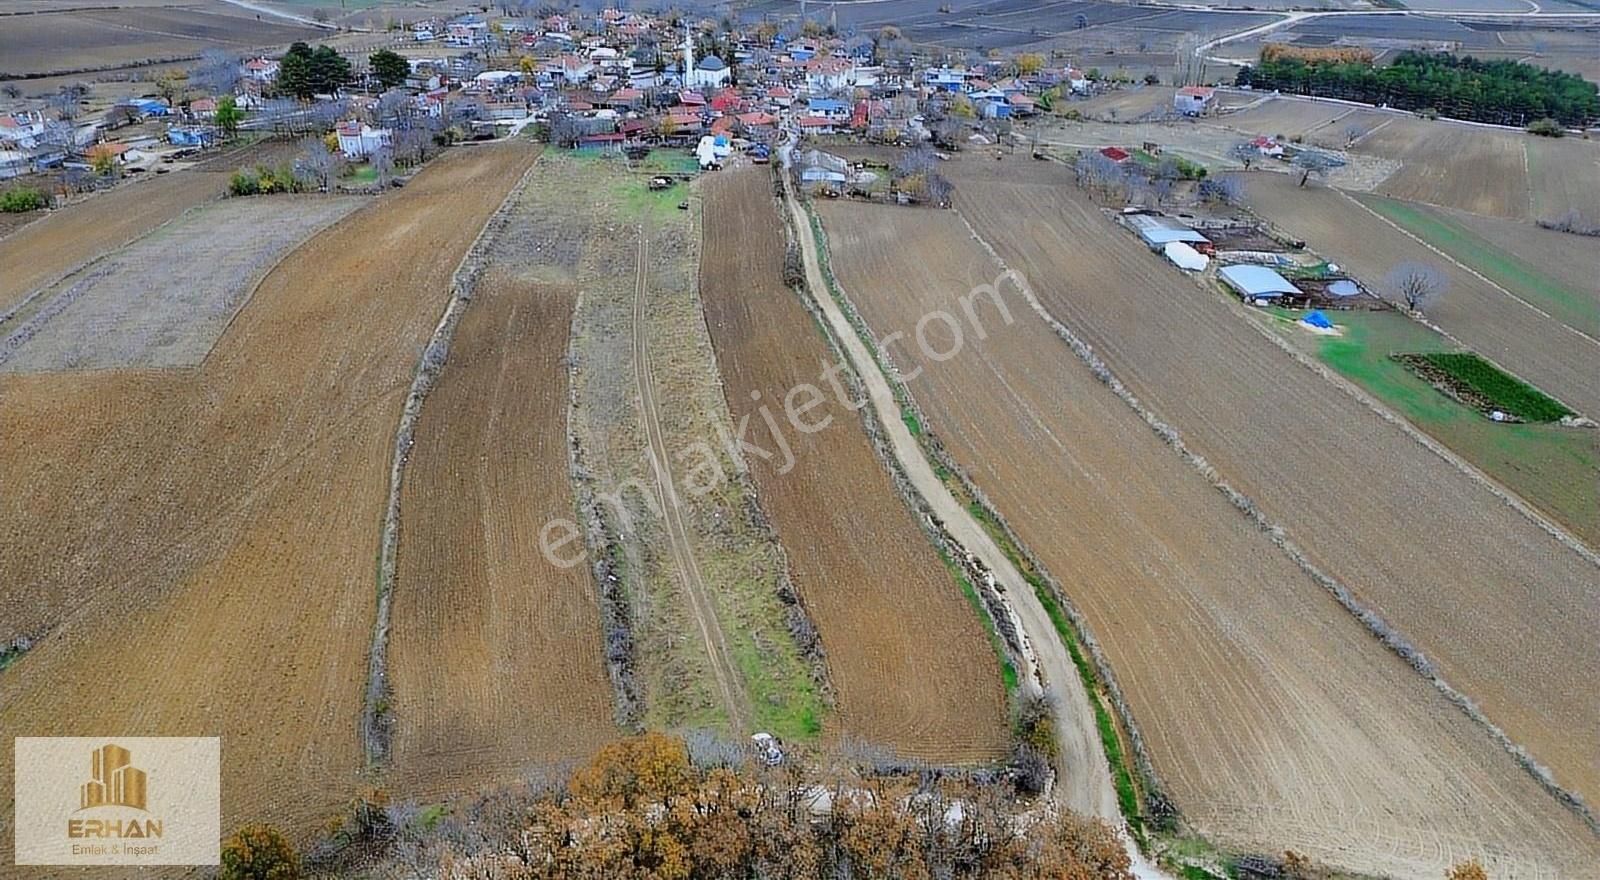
909	661
163	300
1449	564
1273	717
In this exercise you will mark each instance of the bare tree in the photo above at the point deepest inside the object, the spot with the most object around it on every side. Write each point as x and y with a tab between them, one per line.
916	160
1353	132
1312	163
1418	285
11	90
382	162
217	72
1224	190
317	165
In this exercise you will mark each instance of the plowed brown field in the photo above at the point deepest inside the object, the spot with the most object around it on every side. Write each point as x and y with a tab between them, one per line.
49	248
202	542
907	656
496	652
1565	176
1481	170
1504	610
1273	717
1537	346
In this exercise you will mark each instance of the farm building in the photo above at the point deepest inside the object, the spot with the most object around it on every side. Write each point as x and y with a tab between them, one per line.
823	169
1193	100
1158	232
1257	284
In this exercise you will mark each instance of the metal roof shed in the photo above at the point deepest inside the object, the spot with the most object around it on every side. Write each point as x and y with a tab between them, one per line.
1157	232
1256	282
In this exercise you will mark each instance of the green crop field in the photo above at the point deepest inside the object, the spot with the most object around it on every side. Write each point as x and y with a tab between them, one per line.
1554	468
1504	391
1483	256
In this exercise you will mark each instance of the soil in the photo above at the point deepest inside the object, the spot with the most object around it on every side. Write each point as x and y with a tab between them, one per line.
223	521
43	251
496	656
1447	563
1245	676
1529	341
862	566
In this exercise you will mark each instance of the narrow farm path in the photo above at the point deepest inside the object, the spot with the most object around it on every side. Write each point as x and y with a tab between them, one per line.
730	685
1085	784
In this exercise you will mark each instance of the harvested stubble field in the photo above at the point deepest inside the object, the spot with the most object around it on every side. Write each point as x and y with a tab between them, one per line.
43	251
163	300
1540	348
200	544
1472	168
83	40
1502	608
1272	716
888	609
711	637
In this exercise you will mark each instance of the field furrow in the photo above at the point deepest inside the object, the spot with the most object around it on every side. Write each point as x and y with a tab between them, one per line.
1505	610
1274	718
199	544
907	657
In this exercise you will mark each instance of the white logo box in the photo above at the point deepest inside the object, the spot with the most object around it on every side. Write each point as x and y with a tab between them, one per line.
118	800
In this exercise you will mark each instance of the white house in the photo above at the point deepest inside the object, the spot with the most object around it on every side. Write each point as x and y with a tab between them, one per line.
829	74
1194	100
261	69
357	140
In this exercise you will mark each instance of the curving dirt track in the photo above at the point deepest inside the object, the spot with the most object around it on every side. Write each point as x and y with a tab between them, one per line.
886	606
43	251
220	524
1273	717
1504	610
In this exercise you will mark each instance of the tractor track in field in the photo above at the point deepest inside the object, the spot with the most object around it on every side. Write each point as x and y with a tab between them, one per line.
730	685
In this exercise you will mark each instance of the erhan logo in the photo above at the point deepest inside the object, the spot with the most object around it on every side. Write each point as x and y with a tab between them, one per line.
114	782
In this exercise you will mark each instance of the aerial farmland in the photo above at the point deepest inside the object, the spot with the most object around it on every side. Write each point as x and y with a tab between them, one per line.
884	438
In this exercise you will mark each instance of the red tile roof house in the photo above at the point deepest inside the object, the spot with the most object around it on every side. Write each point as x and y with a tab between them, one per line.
1115	154
818	125
780	97
205	108
1193	100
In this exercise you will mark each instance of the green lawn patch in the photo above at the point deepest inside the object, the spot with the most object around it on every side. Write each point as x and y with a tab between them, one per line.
1555	468
1485	386
1483	256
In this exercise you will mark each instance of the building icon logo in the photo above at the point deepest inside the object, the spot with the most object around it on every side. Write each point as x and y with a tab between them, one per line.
114	781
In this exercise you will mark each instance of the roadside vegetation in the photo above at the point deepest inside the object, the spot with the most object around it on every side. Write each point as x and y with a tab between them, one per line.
23	199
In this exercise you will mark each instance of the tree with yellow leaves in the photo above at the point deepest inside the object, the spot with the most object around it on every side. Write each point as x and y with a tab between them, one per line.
1468	870
259	852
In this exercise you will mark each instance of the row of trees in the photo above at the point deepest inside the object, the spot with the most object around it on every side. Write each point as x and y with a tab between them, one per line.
1503	92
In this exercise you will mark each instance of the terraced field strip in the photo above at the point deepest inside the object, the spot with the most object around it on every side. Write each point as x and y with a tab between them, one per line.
222	520
1461	572
735	701
884	604
496	655
1471	168
1273	718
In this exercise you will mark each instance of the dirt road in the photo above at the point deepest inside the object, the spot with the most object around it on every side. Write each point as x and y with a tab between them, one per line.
730	685
1086	783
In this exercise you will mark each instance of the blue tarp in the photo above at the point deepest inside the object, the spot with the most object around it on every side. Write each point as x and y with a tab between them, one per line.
1319	320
